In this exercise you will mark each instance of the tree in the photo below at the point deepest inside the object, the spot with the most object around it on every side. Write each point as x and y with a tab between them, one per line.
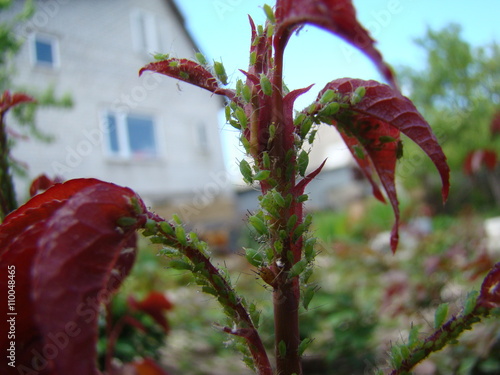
458	91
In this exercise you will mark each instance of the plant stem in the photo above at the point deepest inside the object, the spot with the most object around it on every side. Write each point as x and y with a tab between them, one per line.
286	327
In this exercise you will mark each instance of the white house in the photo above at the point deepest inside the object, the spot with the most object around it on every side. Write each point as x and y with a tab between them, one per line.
151	133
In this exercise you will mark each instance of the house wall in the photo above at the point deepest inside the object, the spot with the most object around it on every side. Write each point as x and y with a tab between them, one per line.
99	68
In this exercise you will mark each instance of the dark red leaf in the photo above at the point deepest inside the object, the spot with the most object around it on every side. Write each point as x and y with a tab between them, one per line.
190	72
336	16
490	290
478	158
371	126
42	183
70	254
155	304
8	100
375	156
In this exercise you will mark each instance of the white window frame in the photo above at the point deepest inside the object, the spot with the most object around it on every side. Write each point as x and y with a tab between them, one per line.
54	42
123	137
145	35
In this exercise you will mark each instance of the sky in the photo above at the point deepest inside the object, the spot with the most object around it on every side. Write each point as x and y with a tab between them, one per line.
222	32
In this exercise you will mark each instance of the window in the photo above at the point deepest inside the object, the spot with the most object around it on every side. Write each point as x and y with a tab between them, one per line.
45	51
144	31
130	136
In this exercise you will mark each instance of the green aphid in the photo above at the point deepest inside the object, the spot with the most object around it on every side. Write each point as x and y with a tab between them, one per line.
177	219
282	349
312	136
440	315
180	234
302	162
200	58
265	85
305	127
166	228
241	117
269	13
329	109
184	75
126	221
297	268
262	175
161	56
399	150
227	113
254	257
358	95
266	160
291	222
302	198
327	96
173	64
246	93
303	346
220	72
246	171
358	151
278	198
470	303
181	265
253	57
386	139
308	296
258	224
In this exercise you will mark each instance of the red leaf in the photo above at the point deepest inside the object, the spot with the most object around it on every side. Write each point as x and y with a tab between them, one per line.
371	127
336	16
155	304
69	254
42	183
8	101
378	156
490	290
477	158
387	105
190	72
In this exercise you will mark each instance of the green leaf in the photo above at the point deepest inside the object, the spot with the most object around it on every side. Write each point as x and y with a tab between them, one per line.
181	265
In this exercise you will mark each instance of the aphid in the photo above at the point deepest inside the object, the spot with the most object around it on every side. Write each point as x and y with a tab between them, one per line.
302	162
265	85
200	58
327	96
440	315
399	150
246	171
269	13
220	72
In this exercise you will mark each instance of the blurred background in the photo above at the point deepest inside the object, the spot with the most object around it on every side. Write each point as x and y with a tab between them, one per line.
95	117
